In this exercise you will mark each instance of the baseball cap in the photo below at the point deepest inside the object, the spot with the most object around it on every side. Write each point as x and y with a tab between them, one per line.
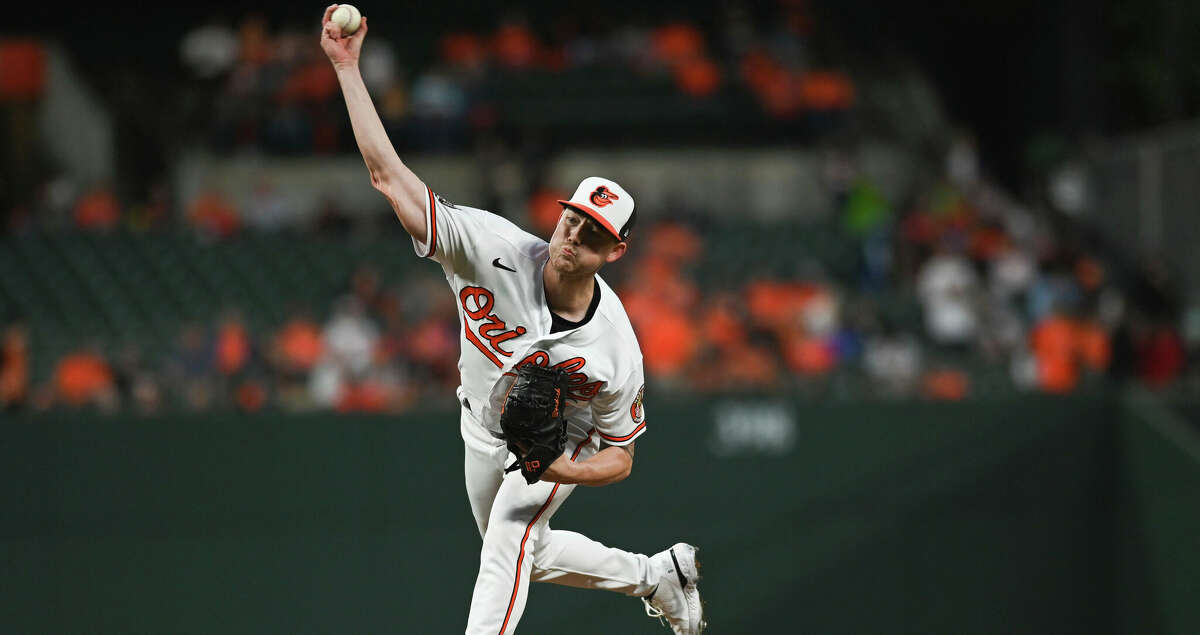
605	202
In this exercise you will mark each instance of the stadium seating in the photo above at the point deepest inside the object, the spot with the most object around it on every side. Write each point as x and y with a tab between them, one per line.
124	287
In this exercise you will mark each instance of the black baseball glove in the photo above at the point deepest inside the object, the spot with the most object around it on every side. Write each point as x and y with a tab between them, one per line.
533	419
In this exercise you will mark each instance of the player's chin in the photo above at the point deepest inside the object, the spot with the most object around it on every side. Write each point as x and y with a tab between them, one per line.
565	264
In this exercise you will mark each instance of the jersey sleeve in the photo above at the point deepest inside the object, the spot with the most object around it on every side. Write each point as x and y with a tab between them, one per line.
448	228
459	234
619	414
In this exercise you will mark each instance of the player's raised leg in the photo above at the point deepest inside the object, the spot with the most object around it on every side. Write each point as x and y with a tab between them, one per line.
666	581
572	559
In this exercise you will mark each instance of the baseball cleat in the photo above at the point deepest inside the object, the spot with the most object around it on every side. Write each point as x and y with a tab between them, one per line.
676	600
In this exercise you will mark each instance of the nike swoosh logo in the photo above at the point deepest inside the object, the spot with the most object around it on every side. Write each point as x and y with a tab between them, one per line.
496	264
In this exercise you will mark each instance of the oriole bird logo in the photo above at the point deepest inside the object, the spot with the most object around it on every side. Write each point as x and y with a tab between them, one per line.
602	196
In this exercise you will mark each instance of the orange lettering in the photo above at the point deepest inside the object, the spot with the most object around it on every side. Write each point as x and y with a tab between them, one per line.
477	304
483	301
495	324
571	365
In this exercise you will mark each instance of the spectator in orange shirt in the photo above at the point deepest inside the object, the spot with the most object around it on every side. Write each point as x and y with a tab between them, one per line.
14	367
698	77
294	351
777	306
1054	345
22	69
669	341
233	347
807	333
660	309
213	215
946	384
97	209
722	323
759	71
807	355
233	353
515	46
1093	345
826	91
364	396
677	43
463	51
297	345
250	395
84	378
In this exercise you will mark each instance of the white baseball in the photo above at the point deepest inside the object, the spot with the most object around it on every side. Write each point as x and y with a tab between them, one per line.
347	17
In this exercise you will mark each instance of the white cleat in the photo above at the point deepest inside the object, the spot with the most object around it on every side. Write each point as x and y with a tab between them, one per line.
676	600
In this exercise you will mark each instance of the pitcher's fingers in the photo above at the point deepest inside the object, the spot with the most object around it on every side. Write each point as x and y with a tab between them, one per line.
356	38
328	12
331	31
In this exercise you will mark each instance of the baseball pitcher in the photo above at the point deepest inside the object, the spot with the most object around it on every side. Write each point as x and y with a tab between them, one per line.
551	377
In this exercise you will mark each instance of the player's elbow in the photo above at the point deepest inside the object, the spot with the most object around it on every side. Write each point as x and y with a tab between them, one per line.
408	204
387	184
609	475
623	472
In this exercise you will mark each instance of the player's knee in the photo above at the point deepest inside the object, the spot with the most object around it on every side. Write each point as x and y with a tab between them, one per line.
503	530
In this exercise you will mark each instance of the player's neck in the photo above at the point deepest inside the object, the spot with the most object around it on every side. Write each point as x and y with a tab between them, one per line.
568	296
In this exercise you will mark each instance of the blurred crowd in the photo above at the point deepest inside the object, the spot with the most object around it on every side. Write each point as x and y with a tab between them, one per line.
271	89
996	290
993	287
954	291
378	349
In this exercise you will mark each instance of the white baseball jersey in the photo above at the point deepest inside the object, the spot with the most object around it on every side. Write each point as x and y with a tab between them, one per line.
495	271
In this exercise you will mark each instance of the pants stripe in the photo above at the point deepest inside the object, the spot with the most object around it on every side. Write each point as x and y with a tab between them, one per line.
528	528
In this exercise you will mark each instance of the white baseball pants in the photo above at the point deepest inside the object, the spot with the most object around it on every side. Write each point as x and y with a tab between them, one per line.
518	544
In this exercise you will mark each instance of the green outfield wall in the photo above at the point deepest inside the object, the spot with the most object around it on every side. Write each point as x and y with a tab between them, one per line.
1158	518
1022	516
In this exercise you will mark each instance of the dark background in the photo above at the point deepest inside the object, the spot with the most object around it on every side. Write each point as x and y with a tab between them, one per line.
1011	71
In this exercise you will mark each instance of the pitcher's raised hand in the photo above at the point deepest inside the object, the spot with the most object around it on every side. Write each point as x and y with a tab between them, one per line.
343	50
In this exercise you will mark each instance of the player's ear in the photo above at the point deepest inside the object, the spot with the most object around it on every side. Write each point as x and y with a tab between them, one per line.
617	252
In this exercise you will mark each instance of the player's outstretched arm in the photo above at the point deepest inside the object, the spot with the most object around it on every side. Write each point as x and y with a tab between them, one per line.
389	175
608	466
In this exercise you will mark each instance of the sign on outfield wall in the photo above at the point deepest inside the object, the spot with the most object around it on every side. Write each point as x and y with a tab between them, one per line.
756	427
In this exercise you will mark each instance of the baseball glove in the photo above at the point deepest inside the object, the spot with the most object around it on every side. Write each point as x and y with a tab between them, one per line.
533	419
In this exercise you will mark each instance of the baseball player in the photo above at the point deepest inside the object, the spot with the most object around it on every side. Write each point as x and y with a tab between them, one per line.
544	342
